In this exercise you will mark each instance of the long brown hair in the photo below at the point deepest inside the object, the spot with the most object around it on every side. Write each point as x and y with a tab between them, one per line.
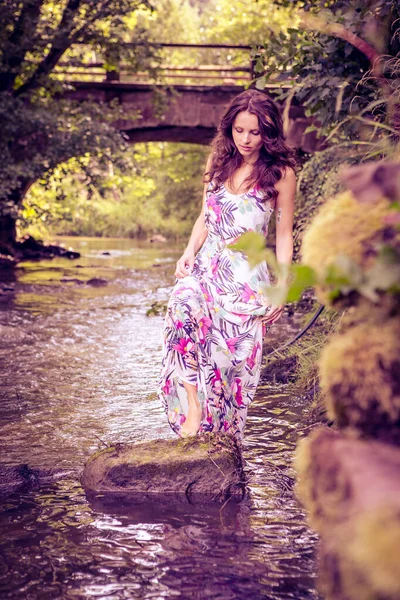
275	155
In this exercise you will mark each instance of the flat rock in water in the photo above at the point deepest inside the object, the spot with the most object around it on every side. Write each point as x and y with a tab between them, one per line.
96	282
204	467
23	478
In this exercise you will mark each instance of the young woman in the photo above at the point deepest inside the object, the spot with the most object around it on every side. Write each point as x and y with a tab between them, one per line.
218	312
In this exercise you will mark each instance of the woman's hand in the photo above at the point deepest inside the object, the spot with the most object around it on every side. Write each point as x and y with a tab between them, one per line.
273	314
185	264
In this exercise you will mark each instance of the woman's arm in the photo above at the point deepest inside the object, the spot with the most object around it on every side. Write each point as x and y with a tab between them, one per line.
284	217
196	240
284	210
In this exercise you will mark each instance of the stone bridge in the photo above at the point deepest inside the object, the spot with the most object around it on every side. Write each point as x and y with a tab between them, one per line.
179	113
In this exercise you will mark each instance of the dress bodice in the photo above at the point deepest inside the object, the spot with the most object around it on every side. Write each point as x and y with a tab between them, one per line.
228	216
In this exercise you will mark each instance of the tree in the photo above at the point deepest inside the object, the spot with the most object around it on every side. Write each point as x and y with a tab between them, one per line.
38	132
341	57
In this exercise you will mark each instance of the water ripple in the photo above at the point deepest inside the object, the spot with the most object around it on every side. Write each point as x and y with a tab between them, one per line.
79	367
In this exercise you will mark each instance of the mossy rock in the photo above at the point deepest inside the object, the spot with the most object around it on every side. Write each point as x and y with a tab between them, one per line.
360	379
362	561
204	467
351	489
367	312
345	227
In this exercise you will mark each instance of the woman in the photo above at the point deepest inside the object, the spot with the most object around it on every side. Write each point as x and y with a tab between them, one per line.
217	312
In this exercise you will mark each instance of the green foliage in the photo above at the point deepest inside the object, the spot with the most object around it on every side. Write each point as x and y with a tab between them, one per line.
35	139
328	52
318	180
253	245
341	277
243	22
160	193
39	133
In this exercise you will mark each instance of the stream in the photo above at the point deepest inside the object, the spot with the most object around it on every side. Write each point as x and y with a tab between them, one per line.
79	365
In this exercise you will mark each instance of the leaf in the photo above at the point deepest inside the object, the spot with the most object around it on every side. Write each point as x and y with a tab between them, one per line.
253	245
260	83
259	66
276	294
304	277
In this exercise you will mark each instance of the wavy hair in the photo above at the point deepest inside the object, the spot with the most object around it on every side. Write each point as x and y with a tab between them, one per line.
275	155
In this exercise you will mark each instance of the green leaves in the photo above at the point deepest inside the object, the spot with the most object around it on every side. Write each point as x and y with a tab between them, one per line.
340	278
303	278
385	274
253	245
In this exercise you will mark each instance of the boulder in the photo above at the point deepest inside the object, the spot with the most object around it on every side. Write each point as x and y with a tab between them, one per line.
358	523
360	379
199	467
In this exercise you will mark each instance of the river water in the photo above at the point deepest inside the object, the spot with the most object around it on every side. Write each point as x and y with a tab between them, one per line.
79	368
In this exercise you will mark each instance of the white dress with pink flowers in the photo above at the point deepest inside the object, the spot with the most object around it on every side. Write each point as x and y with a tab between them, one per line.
213	331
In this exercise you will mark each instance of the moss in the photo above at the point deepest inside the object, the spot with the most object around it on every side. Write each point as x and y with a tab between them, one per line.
368	313
374	548
210	464
358	523
317	181
302	464
109	449
344	227
360	558
320	486
360	376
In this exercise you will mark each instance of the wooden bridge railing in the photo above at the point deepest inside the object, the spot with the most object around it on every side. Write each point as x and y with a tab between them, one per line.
203	74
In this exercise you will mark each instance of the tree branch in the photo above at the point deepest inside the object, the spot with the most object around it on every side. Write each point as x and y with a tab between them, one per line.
61	42
338	30
19	42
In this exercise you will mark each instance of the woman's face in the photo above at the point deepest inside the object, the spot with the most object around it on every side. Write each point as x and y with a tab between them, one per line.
247	135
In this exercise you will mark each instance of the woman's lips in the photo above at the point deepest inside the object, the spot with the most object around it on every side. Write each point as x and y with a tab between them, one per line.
245	147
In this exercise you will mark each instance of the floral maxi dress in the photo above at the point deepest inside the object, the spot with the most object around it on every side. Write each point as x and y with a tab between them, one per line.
213	330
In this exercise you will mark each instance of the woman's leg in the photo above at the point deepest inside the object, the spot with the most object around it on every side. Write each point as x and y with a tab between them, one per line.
192	423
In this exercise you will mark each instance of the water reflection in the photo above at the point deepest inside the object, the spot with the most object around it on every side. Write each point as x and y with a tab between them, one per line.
62	547
79	369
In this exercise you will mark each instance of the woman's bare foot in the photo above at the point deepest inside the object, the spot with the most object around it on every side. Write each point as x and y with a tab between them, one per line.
193	420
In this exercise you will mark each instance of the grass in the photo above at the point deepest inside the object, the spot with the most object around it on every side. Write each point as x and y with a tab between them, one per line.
304	376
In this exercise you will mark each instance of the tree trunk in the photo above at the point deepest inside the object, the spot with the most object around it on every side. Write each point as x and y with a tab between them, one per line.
8	233
9	209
